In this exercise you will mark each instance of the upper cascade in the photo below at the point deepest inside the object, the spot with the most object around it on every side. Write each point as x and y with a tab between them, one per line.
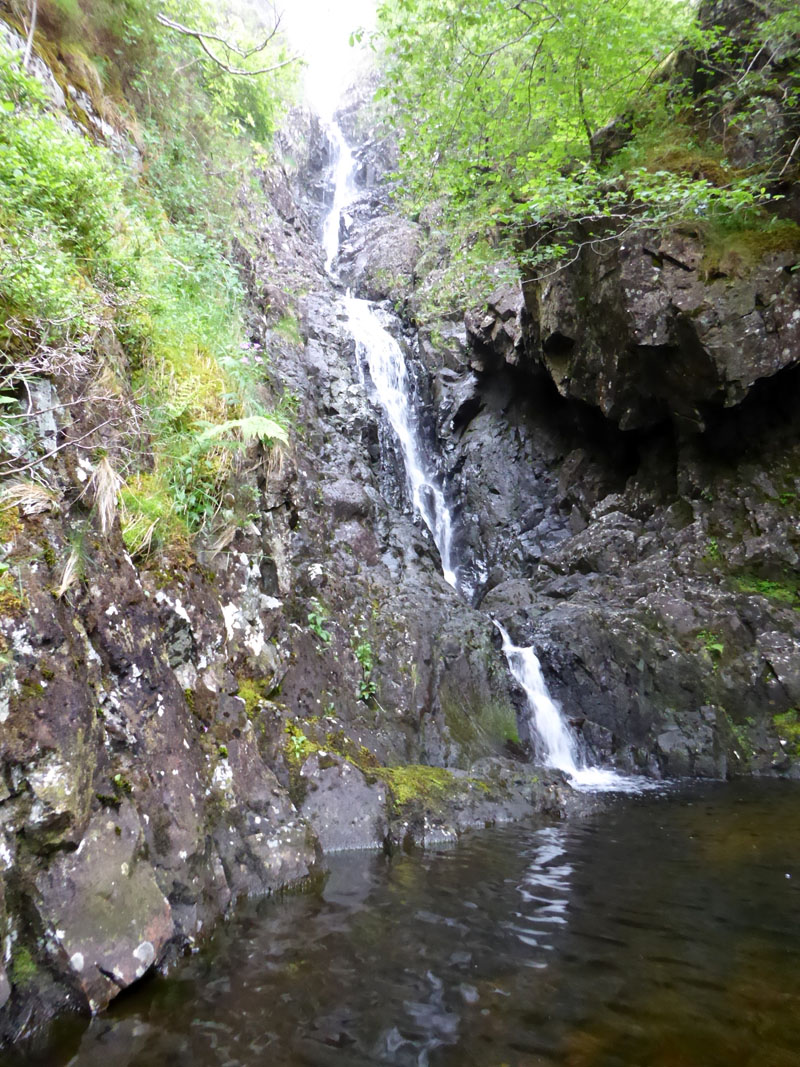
343	191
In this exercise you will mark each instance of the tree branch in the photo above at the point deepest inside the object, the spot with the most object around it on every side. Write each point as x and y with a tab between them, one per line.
29	42
203	38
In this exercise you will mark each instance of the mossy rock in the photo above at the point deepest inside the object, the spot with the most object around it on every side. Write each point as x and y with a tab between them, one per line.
787	726
736	253
417	786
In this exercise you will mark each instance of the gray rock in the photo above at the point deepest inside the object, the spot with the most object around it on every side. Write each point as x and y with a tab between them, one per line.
345	812
102	906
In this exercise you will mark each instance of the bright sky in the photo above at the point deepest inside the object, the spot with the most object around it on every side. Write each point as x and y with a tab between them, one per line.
321	29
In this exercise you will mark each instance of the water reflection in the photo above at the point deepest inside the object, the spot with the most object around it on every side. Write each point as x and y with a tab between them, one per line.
661	932
544	890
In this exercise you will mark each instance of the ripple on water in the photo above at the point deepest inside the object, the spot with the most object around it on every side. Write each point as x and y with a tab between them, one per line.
661	932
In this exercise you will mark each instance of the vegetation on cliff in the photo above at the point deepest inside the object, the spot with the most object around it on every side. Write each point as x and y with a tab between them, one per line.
572	121
116	258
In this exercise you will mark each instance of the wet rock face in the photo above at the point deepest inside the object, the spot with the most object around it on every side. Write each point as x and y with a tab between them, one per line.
653	571
344	810
108	920
644	334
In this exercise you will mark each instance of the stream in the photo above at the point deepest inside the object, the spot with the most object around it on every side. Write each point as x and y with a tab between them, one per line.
661	931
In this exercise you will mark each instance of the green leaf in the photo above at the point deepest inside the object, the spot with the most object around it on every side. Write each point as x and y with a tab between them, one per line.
254	427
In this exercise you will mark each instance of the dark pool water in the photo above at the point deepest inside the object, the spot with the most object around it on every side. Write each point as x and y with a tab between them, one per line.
660	932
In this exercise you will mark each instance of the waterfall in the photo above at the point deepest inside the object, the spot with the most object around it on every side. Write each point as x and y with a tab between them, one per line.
389	373
343	192
559	748
559	745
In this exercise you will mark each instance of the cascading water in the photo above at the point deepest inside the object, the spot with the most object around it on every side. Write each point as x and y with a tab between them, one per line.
343	191
389	373
559	748
559	745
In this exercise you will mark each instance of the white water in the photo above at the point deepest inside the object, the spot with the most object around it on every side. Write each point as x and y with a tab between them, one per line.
559	745
343	192
389	373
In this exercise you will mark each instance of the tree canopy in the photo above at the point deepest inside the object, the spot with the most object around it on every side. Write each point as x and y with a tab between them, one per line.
500	107
494	95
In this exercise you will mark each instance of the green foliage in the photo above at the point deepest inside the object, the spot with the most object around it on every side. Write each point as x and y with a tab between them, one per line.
785	592
713	645
85	248
367	687
364	655
502	112
496	99
317	618
713	552
298	746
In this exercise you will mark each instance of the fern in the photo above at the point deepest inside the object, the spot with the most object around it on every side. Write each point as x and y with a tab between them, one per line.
251	428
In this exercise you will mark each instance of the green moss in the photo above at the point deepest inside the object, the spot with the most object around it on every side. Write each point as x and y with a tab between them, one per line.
693	161
10	524
787	726
786	591
23	966
254	692
734	253
416	782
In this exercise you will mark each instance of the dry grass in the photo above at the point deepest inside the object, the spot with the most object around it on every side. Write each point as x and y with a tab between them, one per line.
30	497
70	574
105	485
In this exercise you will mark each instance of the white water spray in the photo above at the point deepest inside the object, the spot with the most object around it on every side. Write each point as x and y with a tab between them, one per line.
343	192
389	374
559	745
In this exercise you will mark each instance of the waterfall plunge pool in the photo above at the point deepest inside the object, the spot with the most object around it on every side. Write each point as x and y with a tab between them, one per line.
662	931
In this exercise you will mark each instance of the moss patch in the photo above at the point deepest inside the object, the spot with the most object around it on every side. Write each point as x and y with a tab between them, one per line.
417	782
254	693
786	591
735	253
787	726
23	967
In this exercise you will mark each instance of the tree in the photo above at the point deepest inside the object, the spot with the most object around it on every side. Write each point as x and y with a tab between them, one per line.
499	107
205	39
495	95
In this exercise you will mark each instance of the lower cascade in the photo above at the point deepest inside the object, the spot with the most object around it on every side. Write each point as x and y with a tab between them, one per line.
559	747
